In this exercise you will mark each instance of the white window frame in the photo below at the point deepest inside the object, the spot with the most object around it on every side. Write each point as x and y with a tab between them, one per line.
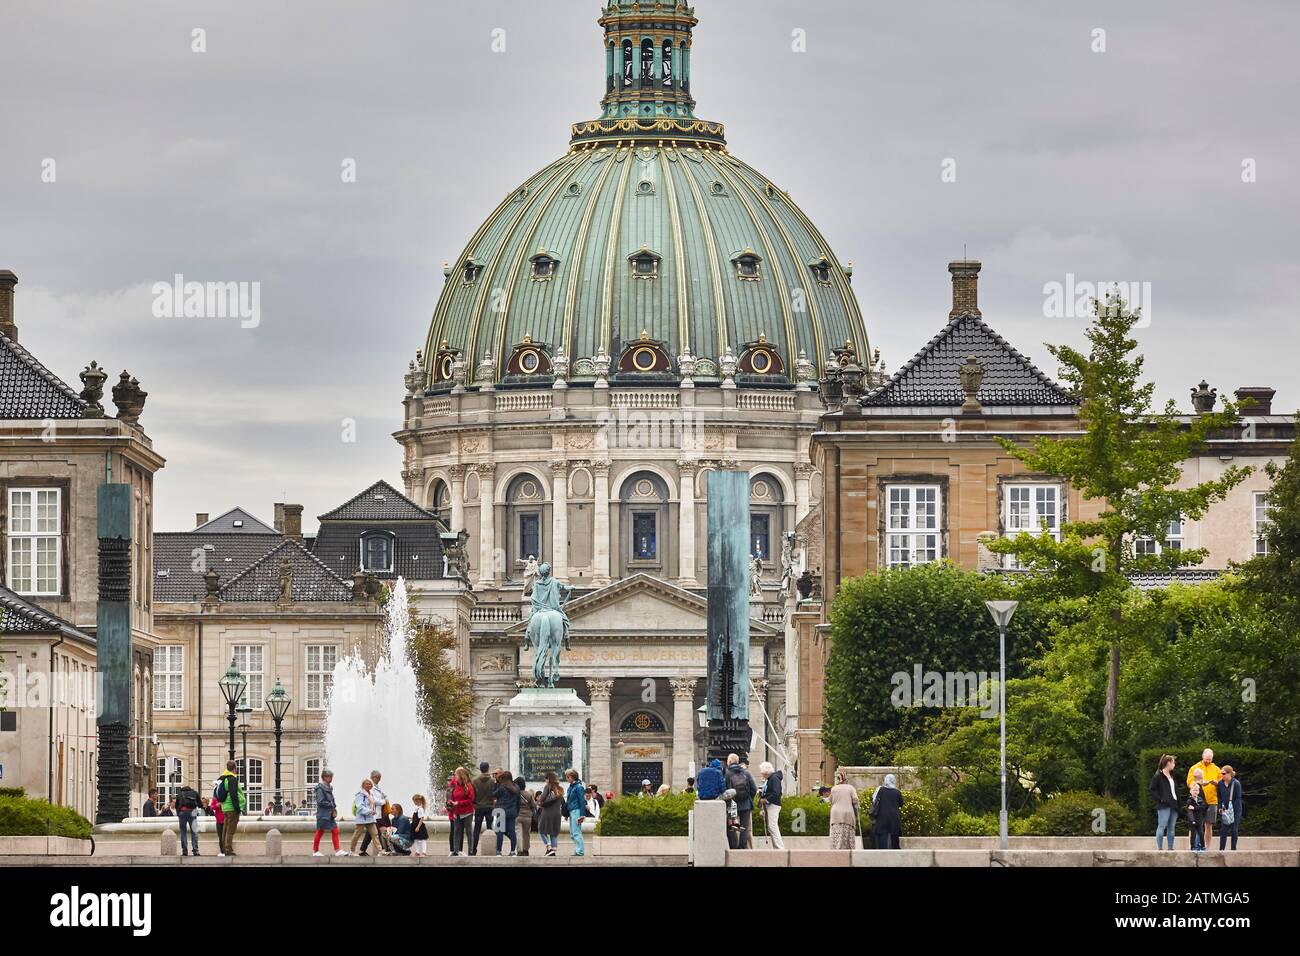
166	789
311	768
1033	501
169	677
244	656
29	541
319	679
392	550
908	532
251	787
1173	540
1259	519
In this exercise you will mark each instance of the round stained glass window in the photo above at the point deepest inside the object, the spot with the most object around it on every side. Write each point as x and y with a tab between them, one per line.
762	362
643	359
530	361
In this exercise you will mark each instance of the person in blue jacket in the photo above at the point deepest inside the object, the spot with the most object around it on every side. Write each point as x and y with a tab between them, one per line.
1229	797
709	784
576	807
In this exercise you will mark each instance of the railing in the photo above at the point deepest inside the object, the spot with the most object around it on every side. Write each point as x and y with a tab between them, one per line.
638	399
437	407
494	613
773	615
765	402
523	401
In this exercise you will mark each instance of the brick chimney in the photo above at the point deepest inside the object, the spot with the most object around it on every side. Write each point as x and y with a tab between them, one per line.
7	282
1262	396
965	287
288	520
200	518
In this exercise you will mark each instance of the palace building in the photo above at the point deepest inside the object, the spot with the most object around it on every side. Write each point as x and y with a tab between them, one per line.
640	312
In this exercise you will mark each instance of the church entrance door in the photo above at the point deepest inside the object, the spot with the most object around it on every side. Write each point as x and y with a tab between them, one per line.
636	771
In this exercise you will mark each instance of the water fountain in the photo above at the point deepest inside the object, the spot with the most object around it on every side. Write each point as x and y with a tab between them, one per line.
373	721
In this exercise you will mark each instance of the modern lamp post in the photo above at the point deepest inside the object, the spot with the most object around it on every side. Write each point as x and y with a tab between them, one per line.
232	684
277	702
1001	612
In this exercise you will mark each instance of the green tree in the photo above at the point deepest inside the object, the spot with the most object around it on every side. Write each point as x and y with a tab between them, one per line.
1129	458
446	698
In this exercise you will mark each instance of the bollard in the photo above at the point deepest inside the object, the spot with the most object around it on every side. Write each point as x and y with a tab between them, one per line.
274	842
170	843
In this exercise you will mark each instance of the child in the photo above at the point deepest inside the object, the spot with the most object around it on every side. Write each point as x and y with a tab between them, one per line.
1195	810
220	816
419	830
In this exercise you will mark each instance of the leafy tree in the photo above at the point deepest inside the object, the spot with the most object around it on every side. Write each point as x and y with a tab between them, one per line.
446	698
1129	459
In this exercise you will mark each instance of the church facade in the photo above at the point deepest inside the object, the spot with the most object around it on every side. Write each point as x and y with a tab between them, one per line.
643	311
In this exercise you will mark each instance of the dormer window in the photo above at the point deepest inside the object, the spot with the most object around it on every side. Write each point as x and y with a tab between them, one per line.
545	266
821	270
377	552
747	265
645	264
471	271
238	523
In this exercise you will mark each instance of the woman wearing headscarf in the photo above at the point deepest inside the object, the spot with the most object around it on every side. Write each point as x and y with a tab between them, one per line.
845	812
887	814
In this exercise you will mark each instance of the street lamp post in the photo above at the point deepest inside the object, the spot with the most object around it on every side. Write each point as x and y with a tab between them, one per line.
277	702
1001	612
232	684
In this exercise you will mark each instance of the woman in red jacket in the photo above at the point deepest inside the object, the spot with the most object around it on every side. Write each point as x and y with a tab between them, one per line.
460	808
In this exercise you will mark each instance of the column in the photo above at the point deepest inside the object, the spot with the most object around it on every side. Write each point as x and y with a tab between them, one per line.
487	526
686	524
758	718
601	770
457	498
683	729
600	523
802	490
560	519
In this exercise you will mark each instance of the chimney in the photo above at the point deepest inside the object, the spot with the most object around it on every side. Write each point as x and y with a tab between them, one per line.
288	520
7	326
1262	397
965	287
200	518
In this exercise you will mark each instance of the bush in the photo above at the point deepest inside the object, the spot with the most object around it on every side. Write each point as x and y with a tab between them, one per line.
920	815
20	816
962	823
1075	814
646	816
1268	799
12	792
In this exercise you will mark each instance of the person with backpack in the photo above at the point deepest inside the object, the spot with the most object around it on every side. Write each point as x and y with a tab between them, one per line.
527	813
365	813
505	816
1229	788
219	818
483	784
710	785
737	778
234	801
187	806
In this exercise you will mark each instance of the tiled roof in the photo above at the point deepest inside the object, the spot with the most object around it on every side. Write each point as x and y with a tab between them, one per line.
174	559
312	580
380	502
930	379
418	547
236	521
29	390
20	616
1152	580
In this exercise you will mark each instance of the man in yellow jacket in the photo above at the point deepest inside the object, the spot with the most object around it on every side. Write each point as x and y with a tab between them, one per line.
1210	776
235	803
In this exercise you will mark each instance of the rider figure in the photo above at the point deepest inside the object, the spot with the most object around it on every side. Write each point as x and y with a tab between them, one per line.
548	597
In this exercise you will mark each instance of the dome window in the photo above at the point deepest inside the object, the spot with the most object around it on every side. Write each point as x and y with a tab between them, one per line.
717	188
821	270
759	358
645	264
748	265
644	356
471	271
545	266
529	358
575	189
645	187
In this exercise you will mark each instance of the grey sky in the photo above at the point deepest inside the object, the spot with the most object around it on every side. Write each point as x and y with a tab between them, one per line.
225	166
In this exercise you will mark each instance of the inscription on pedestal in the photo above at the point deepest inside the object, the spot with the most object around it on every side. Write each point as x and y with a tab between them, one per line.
539	755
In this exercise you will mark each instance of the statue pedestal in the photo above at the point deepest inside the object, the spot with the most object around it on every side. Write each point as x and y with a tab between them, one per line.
548	731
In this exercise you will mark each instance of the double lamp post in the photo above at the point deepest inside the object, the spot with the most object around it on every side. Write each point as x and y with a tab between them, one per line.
233	686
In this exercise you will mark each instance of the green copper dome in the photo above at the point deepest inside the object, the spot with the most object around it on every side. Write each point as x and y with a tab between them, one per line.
648	230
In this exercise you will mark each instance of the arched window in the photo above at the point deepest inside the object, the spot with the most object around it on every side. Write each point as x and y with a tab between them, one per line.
765	517
545	266
644	520
747	265
440	500
642	722
647	62
668	65
525	532
628	60
377	549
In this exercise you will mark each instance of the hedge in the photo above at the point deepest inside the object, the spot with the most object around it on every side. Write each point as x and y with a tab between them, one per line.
1268	794
1074	813
12	792
645	816
961	823
20	816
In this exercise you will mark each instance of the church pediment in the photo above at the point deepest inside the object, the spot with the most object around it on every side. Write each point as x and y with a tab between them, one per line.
640	604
